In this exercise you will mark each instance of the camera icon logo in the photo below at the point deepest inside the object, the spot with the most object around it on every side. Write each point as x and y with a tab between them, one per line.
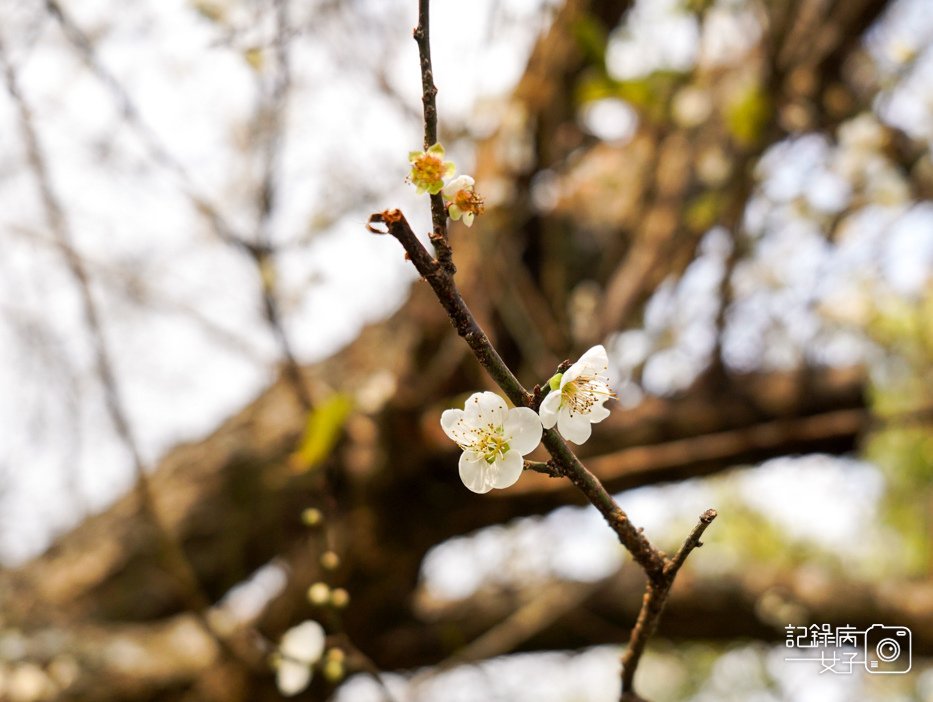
887	649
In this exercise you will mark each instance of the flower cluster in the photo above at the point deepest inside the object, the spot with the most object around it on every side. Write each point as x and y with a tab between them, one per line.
577	396
494	438
428	174
462	200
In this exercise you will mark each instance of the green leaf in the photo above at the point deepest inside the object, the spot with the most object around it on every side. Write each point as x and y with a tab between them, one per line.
322	431
747	115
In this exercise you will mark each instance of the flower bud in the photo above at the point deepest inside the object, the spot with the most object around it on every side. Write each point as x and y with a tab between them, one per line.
339	598
312	517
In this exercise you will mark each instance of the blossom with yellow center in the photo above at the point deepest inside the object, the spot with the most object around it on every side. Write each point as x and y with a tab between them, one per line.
428	169
576	398
462	199
493	438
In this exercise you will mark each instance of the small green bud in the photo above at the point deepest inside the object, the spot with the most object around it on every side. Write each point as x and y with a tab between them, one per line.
334	671
312	517
339	598
554	382
330	560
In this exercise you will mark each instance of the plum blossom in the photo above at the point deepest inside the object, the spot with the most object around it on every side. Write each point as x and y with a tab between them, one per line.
576	398
302	646
462	200
493	438
429	169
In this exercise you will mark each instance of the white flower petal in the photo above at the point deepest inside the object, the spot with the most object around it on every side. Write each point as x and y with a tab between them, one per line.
572	374
523	430
574	426
550	406
292	677
304	642
485	408
508	470
468	218
596	358
598	414
474	472
462	182
473	456
452	423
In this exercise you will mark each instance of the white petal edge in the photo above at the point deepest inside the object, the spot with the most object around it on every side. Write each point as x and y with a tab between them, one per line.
571	373
450	423
598	414
550	406
475	473
461	182
596	357
508	470
523	430
292	677
574	427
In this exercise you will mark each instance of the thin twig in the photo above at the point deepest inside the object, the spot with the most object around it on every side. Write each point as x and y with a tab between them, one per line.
655	598
422	36
548	468
439	274
445	288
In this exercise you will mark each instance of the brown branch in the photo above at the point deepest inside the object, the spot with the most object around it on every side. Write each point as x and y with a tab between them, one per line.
422	36
444	287
661	571
648	557
439	273
652	606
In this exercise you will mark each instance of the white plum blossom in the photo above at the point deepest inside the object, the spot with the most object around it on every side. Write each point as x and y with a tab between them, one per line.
302	646
493	438
463	202
576	398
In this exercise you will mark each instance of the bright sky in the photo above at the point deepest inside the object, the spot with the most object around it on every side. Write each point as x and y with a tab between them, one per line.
181	310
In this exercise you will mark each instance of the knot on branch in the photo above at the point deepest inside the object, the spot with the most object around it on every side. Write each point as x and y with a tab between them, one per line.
387	218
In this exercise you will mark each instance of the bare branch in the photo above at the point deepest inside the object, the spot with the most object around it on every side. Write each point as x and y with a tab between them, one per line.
422	36
449	296
653	603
